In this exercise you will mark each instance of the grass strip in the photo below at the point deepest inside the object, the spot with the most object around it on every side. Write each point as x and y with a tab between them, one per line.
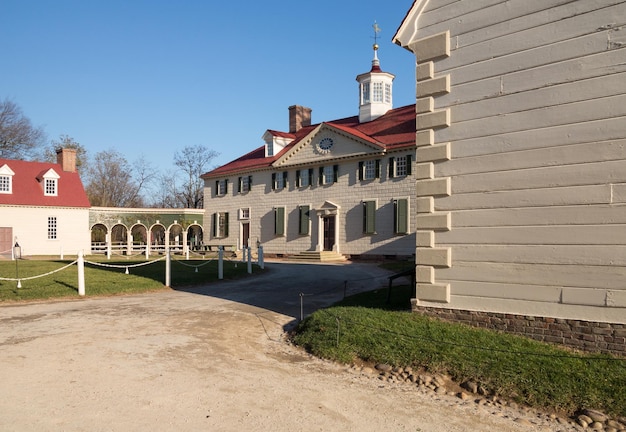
367	328
103	281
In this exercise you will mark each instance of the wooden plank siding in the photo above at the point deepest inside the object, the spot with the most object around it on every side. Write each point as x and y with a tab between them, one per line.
537	163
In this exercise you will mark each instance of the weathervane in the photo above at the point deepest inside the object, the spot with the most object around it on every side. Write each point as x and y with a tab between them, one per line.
376	31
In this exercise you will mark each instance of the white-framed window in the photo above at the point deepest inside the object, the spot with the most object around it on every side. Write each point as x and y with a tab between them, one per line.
221	187
6	185
387	93
304	177
377	92
244	213
328	174
6	179
279	180
369	169
400	166
365	93
50	187
220	224
244	184
52	227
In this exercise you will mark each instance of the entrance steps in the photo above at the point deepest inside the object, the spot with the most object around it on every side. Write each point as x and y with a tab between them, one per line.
318	256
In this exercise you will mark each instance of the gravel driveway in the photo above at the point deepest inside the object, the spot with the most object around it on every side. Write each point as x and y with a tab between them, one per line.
212	358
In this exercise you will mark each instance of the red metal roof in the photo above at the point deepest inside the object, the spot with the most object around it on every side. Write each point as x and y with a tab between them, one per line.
28	190
395	129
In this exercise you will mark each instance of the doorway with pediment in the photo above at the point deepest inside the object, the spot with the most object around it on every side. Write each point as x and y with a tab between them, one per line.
328	227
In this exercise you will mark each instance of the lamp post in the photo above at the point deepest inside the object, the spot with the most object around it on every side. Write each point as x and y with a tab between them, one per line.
17	254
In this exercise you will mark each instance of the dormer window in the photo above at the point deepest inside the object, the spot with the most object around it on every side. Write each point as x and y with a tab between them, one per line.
50	187
6	179
50	182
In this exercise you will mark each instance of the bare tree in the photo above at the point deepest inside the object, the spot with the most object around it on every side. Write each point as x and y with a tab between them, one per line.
66	141
113	183
193	162
166	192
19	139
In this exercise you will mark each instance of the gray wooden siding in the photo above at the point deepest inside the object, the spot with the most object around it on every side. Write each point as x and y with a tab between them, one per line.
537	140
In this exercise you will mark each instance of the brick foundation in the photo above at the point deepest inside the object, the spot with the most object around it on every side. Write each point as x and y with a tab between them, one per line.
582	335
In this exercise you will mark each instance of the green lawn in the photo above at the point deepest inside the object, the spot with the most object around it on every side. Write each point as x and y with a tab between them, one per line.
367	328
107	280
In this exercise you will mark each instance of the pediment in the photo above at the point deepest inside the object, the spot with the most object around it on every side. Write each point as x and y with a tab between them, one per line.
328	208
6	170
326	143
48	174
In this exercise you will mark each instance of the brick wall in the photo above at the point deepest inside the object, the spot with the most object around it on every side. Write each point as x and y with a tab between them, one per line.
582	335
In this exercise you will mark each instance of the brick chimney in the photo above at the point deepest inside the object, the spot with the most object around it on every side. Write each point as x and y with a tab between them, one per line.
66	157
299	117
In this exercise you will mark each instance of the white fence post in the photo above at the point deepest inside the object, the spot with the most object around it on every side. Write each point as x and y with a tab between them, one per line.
81	273
168	269
220	262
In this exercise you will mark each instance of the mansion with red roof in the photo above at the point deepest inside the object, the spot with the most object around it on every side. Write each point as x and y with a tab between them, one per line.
340	187
44	206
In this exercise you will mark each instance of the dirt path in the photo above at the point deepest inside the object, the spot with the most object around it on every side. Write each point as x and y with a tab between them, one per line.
188	362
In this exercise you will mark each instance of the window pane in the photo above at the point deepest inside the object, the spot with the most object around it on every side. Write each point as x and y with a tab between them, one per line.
329	173
370	170
5	184
401	166
52	228
50	187
377	92
366	93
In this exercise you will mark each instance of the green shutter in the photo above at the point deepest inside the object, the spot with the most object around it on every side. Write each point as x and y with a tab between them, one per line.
273	181
409	164
401	210
335	173
249	183
369	217
239	184
377	168
304	219
279	220
361	170
214	224
391	167
226	225
217	187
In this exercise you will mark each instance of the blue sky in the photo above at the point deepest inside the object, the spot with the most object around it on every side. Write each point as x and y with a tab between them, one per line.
147	78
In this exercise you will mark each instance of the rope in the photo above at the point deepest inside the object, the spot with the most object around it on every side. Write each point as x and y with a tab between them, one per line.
124	266
193	266
39	276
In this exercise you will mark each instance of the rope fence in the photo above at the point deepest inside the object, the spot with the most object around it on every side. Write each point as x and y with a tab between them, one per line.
80	262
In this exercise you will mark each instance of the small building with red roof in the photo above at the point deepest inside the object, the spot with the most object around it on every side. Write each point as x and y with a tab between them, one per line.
43	207
339	188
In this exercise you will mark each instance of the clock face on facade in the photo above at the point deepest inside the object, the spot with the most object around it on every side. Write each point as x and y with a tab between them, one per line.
325	144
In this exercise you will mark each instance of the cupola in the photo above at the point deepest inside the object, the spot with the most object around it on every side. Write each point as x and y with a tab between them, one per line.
375	89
